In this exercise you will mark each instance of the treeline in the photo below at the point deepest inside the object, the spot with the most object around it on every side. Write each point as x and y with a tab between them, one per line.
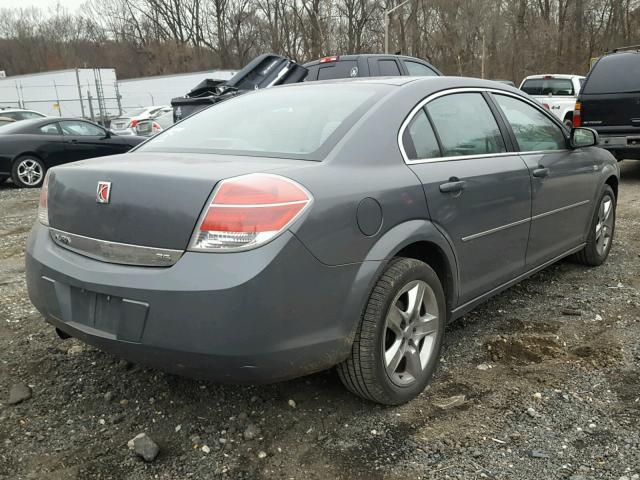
152	37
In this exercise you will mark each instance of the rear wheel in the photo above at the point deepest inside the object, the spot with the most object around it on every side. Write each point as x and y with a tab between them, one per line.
398	341
28	172
601	231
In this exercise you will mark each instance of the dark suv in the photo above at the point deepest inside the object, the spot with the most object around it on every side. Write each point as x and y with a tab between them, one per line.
609	102
368	65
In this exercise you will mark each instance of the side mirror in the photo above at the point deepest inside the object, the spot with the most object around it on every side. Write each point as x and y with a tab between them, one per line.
584	137
107	134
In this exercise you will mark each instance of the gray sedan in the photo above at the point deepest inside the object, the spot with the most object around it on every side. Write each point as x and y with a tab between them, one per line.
298	228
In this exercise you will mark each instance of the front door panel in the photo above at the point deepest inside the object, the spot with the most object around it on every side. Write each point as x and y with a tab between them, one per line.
561	202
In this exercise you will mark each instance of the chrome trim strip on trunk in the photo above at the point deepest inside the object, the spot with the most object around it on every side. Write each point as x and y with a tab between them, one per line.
114	252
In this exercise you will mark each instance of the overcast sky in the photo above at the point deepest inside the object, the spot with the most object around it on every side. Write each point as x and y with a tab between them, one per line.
70	4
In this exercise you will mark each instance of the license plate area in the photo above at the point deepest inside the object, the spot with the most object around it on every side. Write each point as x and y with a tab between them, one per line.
96	313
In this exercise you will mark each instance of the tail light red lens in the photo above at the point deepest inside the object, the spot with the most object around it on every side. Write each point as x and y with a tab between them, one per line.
134	123
329	59
43	206
577	115
249	211
546	106
155	126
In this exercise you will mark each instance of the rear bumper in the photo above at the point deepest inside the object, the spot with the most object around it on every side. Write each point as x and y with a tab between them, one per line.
622	146
262	315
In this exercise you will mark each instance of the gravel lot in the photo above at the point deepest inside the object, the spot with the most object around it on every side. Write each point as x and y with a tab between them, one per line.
549	371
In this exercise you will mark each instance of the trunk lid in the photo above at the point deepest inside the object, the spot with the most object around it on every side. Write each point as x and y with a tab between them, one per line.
155	198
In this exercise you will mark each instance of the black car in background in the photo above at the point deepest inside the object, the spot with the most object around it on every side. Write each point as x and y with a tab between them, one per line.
368	65
609	102
30	147
269	70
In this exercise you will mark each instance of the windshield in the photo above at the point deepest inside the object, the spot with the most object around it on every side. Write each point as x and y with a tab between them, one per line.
617	73
302	122
548	86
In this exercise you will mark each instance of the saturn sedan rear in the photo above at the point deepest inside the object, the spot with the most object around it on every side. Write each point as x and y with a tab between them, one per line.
297	228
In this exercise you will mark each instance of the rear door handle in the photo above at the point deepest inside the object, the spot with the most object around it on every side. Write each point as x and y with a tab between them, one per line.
453	185
72	141
541	172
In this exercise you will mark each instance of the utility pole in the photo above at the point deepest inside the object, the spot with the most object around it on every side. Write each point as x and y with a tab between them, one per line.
387	20
482	64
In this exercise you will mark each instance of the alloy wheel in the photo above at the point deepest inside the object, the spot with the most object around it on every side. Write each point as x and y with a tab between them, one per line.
29	172
604	226
411	329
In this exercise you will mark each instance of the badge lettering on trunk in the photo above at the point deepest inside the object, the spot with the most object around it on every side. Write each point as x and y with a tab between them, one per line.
103	193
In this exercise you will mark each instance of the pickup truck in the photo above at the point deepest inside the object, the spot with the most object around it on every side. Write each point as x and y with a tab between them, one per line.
558	93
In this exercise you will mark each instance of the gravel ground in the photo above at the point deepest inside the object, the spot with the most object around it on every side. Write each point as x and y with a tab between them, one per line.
548	370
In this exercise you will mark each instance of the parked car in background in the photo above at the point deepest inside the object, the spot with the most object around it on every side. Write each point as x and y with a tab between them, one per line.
368	65
558	93
270	70
18	114
610	102
5	120
30	147
151	127
247	243
126	123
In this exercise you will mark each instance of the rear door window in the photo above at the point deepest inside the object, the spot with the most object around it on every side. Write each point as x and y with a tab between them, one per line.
465	125
616	73
548	86
50	129
418	69
533	130
388	68
339	69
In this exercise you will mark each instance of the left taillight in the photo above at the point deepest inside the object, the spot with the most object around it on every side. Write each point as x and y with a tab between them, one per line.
247	211
43	206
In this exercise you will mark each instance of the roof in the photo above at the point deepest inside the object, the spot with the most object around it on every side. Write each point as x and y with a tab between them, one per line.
565	76
354	56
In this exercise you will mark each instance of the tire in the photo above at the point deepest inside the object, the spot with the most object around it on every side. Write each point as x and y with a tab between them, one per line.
28	172
372	371
601	231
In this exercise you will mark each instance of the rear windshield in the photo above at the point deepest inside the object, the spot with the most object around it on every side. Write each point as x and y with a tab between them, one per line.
617	73
548	86
134	113
300	122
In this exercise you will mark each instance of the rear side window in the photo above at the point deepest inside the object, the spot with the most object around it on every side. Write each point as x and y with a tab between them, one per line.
419	139
548	86
298	122
419	70
534	131
617	73
388	68
340	69
50	129
465	125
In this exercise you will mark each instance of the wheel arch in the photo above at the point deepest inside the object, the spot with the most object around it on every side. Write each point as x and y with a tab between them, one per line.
29	154
612	181
421	240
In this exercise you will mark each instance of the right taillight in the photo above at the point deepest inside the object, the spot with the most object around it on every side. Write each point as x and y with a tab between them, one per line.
577	115
248	211
43	206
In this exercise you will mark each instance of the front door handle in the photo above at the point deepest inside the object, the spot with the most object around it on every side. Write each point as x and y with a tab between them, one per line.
72	141
541	172
454	185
